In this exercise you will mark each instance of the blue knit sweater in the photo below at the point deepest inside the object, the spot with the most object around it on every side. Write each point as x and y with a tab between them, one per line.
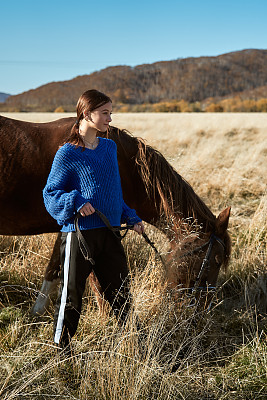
78	177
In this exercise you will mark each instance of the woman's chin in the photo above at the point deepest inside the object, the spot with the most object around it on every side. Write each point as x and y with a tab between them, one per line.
103	130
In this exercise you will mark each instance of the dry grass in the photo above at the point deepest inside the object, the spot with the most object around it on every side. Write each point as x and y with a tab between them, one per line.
219	355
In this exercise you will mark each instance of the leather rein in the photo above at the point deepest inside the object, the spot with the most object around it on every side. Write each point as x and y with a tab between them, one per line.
117	232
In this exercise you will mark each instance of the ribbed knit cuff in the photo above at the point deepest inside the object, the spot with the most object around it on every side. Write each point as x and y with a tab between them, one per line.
80	201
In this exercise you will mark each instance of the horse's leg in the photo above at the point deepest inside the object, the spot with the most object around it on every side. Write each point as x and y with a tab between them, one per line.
98	293
51	280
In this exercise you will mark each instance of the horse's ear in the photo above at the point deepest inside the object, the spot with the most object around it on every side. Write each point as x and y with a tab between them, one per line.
222	221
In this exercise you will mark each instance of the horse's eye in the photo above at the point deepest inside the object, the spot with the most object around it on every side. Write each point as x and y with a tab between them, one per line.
218	260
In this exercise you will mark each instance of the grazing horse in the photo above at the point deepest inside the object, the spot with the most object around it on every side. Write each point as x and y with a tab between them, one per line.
150	185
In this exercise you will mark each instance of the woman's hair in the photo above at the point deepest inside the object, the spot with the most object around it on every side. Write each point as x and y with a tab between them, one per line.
88	102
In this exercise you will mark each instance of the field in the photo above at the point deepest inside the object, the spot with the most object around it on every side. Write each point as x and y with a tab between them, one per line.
224	355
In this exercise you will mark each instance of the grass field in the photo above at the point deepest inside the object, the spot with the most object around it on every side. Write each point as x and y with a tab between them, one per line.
224	355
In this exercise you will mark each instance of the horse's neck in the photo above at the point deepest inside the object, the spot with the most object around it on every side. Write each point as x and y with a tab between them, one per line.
172	214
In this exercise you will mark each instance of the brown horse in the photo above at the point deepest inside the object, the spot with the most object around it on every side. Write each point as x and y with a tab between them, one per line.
150	185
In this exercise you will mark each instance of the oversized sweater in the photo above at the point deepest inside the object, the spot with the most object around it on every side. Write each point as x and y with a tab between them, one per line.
78	177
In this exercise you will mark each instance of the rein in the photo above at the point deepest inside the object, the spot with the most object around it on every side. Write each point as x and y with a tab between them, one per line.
116	231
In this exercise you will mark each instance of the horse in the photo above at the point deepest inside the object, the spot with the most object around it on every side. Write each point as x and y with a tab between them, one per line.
150	185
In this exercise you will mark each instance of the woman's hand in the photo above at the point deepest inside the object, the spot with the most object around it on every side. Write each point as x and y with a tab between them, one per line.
139	228
87	209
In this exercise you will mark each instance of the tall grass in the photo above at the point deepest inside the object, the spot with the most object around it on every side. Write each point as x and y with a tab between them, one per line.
167	349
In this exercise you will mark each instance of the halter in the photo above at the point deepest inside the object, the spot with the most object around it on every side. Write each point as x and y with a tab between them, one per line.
205	263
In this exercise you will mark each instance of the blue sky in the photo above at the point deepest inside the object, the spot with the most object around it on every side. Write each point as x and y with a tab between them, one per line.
55	40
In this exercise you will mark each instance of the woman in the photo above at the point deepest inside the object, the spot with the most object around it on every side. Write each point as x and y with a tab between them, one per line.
85	176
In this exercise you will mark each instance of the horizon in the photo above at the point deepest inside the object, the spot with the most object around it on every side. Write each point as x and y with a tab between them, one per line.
53	42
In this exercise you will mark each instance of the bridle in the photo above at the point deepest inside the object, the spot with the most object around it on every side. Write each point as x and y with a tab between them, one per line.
206	261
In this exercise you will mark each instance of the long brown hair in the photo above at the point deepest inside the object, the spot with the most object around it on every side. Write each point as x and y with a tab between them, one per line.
88	102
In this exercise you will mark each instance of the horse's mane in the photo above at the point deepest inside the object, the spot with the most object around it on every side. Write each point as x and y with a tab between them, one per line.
175	193
170	191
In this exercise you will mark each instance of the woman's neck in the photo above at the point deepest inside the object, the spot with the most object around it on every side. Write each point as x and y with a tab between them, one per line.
88	134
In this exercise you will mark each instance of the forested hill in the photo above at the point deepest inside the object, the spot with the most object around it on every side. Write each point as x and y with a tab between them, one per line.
189	79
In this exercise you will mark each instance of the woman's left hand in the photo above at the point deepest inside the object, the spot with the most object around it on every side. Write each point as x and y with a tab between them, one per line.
139	228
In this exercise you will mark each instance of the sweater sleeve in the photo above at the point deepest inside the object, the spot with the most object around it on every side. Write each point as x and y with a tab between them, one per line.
129	215
61	203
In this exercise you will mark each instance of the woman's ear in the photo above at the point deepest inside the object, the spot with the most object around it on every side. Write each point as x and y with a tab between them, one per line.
87	116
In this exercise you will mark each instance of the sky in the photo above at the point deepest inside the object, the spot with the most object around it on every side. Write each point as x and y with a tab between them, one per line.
57	40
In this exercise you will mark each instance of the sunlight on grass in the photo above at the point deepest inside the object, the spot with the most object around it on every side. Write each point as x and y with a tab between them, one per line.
167	349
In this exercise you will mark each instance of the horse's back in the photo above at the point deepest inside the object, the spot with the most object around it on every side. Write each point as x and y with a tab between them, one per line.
27	150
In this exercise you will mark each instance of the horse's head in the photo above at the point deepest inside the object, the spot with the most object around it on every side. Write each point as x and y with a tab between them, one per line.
197	261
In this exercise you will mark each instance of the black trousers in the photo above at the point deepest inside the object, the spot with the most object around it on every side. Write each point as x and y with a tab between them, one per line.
110	269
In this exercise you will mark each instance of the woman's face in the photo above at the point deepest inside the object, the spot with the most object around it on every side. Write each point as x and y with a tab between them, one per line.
100	118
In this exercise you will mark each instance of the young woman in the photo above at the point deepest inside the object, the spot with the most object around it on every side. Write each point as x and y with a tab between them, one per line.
85	176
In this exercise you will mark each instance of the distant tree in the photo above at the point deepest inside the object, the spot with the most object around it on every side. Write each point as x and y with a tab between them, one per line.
214	108
184	106
262	105
59	109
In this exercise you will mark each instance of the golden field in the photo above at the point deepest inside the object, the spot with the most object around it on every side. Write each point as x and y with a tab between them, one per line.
223	157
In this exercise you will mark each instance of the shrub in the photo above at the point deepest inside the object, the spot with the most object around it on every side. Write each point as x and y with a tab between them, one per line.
59	109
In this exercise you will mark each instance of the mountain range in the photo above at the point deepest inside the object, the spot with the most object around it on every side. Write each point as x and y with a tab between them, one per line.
3	97
242	73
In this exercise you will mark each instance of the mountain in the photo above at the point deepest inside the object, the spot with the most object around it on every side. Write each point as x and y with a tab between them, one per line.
189	79
3	97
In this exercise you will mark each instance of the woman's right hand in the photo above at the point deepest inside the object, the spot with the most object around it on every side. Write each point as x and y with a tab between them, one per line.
86	210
